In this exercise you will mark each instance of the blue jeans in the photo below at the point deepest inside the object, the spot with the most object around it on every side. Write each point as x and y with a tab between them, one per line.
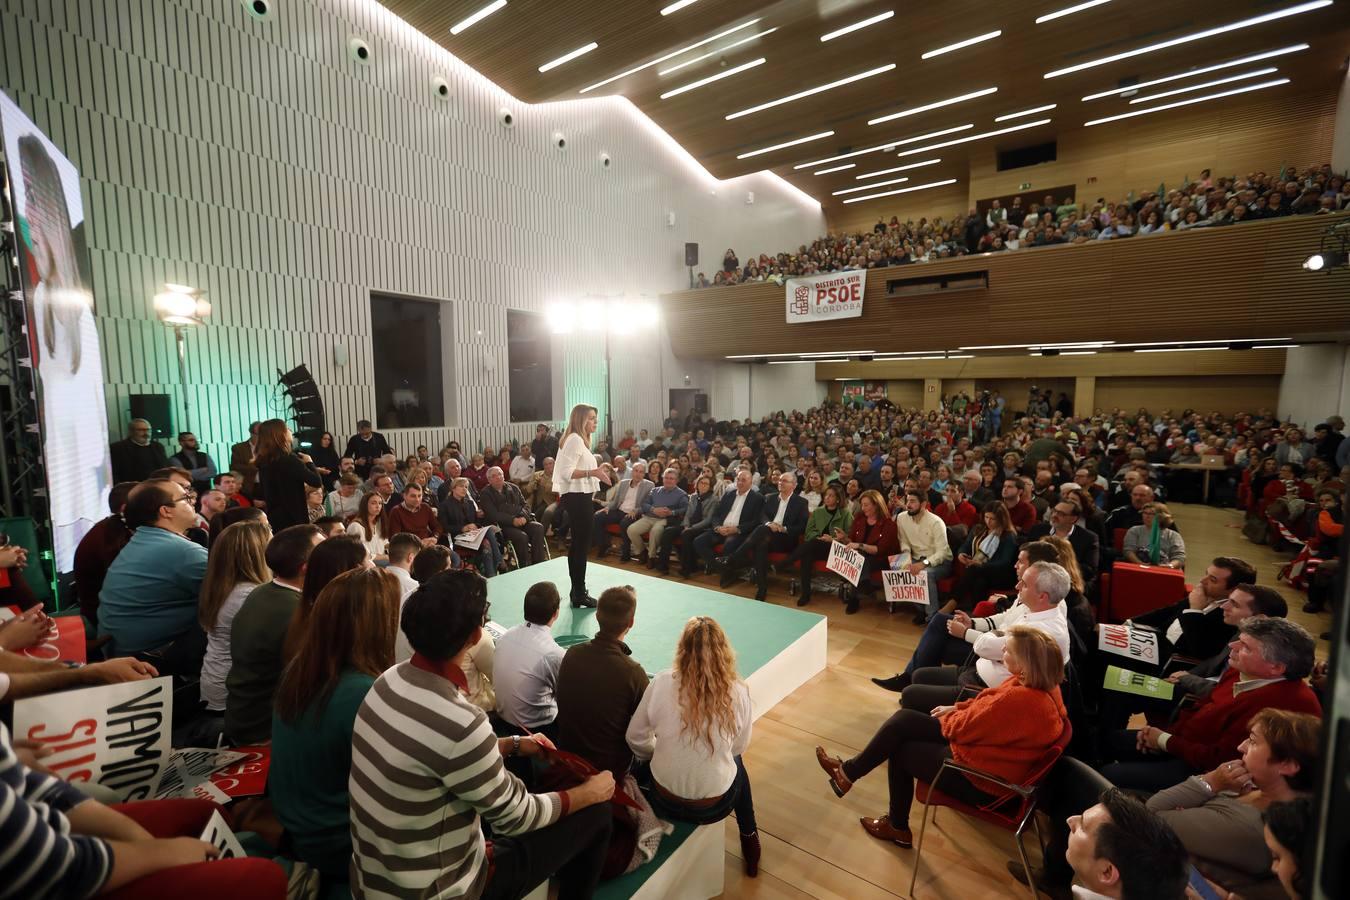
937	647
934	573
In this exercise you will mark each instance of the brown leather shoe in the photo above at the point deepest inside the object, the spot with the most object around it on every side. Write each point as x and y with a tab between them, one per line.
882	829
834	767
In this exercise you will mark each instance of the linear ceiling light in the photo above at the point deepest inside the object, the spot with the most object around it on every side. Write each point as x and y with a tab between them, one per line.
984	92
917	165
836	169
1206	84
975	137
918	187
856	26
1194	36
841	353
1040	346
1178	349
978	39
1232	63
677	6
889	145
568	57
870	186
816	353
1208	341
725	73
798	362
1274	346
792	143
1069	10
911	353
478	16
1152	109
811	91
672	55
1026	112
719	50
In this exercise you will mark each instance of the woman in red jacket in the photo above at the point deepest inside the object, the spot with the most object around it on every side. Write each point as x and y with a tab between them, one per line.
874	536
1002	731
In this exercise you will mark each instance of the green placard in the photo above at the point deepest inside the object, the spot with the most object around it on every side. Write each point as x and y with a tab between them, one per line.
1127	682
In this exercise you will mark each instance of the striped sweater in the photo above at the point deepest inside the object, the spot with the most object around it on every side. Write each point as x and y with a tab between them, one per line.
39	857
425	766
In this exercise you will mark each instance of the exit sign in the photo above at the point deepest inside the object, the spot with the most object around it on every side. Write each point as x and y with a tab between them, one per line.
1025	186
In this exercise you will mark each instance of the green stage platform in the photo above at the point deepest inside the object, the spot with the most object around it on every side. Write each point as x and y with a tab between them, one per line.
777	649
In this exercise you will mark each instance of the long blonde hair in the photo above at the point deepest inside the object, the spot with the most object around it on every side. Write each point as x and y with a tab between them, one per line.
705	667
1067	559
238	556
576	423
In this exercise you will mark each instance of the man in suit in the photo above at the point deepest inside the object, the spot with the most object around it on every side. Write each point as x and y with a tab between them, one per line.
736	517
504	506
1065	518
241	461
623	509
782	523
1195	627
136	456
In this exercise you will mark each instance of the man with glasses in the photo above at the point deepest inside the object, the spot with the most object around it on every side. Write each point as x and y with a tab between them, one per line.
148	605
1064	523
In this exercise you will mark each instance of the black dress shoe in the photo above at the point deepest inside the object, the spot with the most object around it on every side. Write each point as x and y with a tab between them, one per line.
625	557
586	602
895	683
727	578
921	618
803	600
851	604
761	596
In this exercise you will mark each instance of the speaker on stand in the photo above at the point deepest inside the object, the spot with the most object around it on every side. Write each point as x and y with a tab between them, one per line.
691	260
306	406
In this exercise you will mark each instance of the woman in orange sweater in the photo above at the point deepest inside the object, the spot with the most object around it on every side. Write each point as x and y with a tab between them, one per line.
1002	731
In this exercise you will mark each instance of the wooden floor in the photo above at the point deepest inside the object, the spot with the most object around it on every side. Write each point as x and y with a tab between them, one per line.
812	843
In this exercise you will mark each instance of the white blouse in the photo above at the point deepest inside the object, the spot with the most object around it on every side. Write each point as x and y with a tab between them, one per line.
573	455
374	545
681	762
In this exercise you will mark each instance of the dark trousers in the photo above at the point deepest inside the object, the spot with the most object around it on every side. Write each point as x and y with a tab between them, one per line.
1115	709
531	548
578	507
1071	788
806	556
606	517
937	647
913	744
705	542
688	536
572	849
757	547
737	799
668	538
1137	771
938	686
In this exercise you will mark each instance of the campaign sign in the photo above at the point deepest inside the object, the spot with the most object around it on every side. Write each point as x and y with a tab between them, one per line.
248	776
845	562
190	767
116	734
902	587
1135	643
219	835
1125	681
835	295
64	641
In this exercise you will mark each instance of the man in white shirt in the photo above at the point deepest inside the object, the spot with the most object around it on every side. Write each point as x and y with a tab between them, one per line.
401	548
924	536
522	467
623	509
1041	590
526	662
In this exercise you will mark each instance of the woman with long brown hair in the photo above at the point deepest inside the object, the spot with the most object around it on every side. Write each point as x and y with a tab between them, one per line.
368	525
693	724
329	559
988	557
576	478
237	564
349	641
283	475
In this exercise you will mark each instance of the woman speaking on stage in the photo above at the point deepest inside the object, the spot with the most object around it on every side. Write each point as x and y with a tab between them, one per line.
282	476
576	478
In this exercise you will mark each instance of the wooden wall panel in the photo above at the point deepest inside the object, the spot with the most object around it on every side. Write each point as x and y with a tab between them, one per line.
935	203
1226	393
1167	287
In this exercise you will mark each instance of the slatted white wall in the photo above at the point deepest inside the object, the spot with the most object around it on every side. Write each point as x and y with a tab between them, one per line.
258	161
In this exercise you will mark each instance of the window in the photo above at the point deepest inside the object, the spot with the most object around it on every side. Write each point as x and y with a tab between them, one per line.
409	339
529	355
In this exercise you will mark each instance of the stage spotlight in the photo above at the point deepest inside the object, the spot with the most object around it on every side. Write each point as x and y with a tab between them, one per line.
1326	259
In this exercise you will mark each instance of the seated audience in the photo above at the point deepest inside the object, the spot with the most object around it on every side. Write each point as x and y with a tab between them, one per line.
461	514
414	517
987	559
476	664
600	686
402	548
782	522
1288	833
348	641
148	605
623	508
369	525
526	662
692	725
98	548
1154	541
663	506
345	500
1066	522
736	516
1121	850
1269	661
425	767
258	632
874	536
504	507
923	536
830	522
698	517
236	567
1002	731
1195	626
328	560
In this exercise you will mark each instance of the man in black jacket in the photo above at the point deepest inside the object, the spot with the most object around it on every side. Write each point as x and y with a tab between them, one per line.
1195	627
366	446
737	515
1064	522
505	506
544	444
134	458
782	523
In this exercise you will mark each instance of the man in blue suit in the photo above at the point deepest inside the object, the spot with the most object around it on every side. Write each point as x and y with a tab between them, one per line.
737	515
782	523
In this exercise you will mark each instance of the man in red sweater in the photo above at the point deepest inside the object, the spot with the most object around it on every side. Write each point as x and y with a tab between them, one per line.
1268	663
414	516
1022	513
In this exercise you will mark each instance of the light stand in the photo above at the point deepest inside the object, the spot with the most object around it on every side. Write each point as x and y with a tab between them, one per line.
182	307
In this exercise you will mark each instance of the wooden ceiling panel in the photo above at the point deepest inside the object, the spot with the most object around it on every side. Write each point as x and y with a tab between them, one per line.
509	46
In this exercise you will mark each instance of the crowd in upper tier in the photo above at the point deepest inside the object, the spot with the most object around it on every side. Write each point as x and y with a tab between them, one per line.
1203	203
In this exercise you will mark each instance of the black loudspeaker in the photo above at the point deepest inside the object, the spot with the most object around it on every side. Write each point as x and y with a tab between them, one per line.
156	410
701	404
691	254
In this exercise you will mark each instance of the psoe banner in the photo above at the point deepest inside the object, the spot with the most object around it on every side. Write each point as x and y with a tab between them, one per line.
837	295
